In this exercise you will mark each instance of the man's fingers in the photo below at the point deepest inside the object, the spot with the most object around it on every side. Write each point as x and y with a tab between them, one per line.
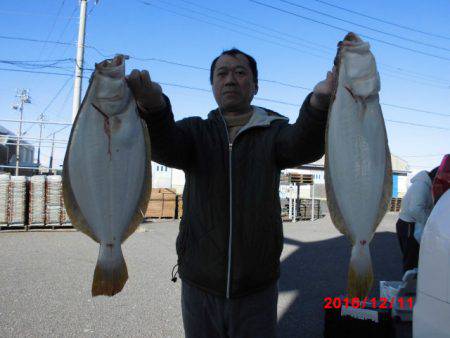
133	80
157	88
145	78
133	75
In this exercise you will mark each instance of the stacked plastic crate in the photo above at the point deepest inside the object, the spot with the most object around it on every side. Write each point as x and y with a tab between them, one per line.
17	194
37	201
65	220
4	199
53	200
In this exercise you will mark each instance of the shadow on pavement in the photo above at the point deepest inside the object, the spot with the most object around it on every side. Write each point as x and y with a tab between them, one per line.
316	270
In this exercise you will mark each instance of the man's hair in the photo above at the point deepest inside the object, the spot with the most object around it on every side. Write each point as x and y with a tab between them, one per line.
234	52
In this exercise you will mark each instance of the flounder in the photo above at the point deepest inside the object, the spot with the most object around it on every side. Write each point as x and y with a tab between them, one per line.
358	176
107	171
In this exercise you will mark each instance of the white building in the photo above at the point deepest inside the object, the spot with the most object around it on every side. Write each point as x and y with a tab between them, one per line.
164	177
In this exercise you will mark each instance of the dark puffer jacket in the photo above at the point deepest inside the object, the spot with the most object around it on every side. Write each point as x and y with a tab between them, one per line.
231	234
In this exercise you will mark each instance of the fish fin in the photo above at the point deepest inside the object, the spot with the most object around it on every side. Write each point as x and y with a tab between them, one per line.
72	208
386	194
111	273
360	274
333	207
141	209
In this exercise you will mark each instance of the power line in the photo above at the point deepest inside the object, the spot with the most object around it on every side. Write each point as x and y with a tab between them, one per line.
72	15
262	80
418	125
366	27
51	30
346	30
384	21
309	44
56	95
59	130
283	83
67	44
413	80
428	155
65	101
297	105
417	74
326	48
53	42
289	85
415	109
279	82
35	65
207	69
35	72
397	69
35	122
31	14
234	30
37	61
35	40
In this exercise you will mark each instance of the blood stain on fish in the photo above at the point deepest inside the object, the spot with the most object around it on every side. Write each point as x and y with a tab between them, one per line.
106	128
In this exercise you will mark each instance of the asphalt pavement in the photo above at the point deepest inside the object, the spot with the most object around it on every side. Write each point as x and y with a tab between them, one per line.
46	276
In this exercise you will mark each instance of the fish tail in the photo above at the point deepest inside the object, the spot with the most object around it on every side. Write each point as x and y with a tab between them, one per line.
110	273
360	274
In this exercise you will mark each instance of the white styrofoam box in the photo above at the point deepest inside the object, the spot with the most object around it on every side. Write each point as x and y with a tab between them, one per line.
53	199
4	198
17	201
37	200
389	289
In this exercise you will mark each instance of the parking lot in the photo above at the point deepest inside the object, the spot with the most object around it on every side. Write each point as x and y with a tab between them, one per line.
45	281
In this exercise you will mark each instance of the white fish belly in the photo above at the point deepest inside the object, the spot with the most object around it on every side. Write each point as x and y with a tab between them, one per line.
107	169
356	153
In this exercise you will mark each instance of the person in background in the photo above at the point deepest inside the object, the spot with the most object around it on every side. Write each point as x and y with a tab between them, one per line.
441	182
416	207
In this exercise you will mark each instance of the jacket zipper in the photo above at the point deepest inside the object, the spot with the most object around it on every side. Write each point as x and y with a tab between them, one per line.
230	240
230	229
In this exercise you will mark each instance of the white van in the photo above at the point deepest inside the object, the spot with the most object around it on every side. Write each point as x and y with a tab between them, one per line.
431	317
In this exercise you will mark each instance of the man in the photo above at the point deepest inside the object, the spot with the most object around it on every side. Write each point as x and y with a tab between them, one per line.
231	234
416	207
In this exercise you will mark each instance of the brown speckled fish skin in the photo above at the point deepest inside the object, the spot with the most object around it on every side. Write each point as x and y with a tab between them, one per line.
107	171
358	174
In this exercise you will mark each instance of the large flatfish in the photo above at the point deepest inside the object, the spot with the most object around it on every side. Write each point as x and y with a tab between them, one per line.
107	171
358	175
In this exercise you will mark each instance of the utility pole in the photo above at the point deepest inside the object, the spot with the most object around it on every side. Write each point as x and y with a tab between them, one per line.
50	165
23	97
41	118
79	60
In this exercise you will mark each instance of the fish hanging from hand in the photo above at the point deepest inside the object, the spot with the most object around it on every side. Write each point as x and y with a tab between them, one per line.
107	171
358	175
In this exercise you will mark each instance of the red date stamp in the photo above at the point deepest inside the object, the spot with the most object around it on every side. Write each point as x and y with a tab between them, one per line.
367	303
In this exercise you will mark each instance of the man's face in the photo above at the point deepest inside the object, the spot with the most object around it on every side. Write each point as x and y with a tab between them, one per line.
233	84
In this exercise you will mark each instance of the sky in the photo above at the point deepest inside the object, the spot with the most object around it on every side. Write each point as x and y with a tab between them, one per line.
293	42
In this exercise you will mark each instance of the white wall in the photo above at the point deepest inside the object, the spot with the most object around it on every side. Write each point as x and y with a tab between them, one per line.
403	183
161	176
165	177
178	180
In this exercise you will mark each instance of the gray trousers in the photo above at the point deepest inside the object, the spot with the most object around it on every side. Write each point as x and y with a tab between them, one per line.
210	316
